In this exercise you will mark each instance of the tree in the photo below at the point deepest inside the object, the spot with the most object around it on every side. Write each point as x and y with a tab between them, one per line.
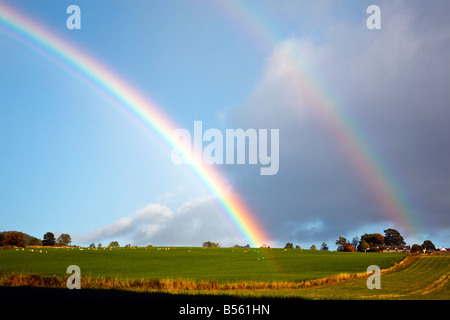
363	246
313	247
341	242
375	241
416	248
35	242
64	239
209	244
113	244
289	245
92	246
298	247
355	241
49	239
428	245
2	238
99	246
324	246
15	239
393	238
349	248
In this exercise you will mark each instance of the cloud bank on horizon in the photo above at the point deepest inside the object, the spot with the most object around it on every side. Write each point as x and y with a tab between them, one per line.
189	225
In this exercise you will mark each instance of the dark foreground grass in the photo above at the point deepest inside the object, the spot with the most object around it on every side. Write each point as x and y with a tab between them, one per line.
93	303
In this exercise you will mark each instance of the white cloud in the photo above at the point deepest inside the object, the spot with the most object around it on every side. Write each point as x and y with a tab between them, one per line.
193	223
148	220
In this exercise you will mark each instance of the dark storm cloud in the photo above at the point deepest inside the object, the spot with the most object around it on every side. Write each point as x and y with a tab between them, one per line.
393	82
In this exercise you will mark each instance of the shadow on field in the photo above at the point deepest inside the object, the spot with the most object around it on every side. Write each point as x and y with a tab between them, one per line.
29	293
104	303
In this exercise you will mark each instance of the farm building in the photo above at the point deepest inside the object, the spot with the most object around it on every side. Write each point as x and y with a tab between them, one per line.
397	249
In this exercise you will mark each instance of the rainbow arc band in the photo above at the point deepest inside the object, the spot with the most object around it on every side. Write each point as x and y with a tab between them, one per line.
107	82
384	186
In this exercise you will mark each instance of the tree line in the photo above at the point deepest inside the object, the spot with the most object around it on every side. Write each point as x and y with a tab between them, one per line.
20	239
290	245
376	242
373	242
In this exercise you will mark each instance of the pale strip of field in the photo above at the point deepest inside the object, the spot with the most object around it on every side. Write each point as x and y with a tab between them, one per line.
422	277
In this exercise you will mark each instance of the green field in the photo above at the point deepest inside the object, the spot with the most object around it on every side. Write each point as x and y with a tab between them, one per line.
197	264
425	278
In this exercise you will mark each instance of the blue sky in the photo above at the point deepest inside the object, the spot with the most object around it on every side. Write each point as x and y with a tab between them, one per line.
71	162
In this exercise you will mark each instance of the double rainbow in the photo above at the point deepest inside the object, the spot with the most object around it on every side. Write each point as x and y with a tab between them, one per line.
373	171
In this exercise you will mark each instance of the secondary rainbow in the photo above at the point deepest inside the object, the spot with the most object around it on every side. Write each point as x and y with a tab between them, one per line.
140	107
373	171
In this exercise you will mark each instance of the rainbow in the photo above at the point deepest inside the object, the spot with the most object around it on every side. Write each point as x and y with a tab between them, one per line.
139	107
375	174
